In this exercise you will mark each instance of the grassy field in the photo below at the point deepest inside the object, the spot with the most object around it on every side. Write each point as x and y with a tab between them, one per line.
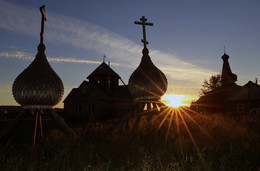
184	142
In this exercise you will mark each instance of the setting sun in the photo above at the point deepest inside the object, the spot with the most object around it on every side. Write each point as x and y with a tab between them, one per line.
173	100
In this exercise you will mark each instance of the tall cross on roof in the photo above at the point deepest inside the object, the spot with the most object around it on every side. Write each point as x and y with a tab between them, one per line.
143	23
42	9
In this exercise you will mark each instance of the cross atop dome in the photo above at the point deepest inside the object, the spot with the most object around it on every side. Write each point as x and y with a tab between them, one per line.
42	9
41	46
144	23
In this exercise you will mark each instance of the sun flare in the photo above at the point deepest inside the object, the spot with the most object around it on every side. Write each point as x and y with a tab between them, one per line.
173	100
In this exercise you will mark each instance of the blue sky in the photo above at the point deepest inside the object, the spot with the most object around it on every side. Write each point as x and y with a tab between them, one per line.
186	41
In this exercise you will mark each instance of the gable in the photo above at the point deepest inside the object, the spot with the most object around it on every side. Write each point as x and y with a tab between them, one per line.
103	70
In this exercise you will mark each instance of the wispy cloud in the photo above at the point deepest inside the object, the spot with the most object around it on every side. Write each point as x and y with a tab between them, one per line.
27	56
74	60
17	55
88	36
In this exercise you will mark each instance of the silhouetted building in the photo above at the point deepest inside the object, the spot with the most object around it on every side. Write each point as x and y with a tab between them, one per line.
230	97
99	98
102	97
214	101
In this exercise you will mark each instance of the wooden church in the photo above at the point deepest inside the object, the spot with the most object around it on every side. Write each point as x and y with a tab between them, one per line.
100	97
230	97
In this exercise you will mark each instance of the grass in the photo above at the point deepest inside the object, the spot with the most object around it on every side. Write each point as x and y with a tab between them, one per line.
215	142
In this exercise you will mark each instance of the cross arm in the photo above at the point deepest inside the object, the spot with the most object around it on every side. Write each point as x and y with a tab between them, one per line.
141	23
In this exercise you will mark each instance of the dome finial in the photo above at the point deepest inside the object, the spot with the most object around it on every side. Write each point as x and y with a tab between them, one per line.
104	57
41	47
225	56
143	23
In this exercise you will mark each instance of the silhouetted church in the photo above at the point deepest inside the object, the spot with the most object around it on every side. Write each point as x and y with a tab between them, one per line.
229	97
101	97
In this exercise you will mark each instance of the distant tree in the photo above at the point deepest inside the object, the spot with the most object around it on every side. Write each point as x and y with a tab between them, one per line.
213	83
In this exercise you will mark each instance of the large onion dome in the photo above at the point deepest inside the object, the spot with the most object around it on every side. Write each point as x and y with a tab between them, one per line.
147	81
38	86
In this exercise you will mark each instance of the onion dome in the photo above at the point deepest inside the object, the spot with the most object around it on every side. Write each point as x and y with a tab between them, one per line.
147	81
38	86
225	57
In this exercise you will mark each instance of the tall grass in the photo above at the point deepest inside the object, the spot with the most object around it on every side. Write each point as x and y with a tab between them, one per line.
215	142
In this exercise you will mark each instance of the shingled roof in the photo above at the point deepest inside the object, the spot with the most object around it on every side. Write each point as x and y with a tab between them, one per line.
103	70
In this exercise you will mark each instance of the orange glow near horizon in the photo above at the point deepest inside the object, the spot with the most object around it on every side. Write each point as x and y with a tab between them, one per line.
174	100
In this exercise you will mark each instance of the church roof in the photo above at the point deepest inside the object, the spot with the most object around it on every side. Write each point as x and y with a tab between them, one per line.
89	90
250	91
219	95
212	97
86	89
147	81
103	70
227	77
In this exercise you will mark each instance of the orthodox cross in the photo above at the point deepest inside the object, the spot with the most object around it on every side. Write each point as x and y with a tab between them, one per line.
42	9
143	23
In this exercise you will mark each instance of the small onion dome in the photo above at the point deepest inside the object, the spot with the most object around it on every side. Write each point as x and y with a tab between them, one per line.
229	79
225	57
38	86
232	78
147	81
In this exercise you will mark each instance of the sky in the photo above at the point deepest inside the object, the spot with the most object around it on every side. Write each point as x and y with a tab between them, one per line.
186	41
